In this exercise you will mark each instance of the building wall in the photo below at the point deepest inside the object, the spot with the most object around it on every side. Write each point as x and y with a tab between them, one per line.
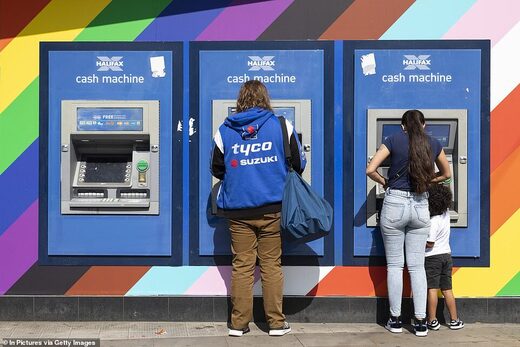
24	24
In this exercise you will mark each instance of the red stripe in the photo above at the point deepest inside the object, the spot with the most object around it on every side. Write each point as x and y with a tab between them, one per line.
15	15
108	280
366	19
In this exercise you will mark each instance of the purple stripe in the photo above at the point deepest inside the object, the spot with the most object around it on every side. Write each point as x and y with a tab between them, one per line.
244	21
20	180
182	21
19	248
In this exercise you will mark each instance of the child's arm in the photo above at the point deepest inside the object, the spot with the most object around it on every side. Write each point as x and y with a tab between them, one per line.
432	236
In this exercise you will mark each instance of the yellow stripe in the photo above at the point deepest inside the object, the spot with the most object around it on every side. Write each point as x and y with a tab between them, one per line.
60	20
504	265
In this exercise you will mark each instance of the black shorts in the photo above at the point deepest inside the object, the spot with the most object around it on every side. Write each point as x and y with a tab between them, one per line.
438	271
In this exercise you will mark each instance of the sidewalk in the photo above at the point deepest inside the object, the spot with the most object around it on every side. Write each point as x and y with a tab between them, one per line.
130	334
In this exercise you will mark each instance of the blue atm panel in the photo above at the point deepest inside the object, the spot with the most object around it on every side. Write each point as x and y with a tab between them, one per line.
449	82
295	80
107	116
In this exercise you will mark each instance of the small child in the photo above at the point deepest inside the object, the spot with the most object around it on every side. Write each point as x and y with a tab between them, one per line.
438	262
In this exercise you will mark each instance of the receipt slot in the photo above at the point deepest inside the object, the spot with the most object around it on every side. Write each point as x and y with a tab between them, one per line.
110	157
298	112
450	128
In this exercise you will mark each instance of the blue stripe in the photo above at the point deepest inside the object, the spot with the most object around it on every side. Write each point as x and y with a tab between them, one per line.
163	280
338	152
427	19
183	20
19	186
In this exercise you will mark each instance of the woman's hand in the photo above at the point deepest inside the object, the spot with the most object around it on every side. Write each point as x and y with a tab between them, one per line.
371	171
444	168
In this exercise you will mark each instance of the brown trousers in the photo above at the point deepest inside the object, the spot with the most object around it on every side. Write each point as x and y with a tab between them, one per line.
252	238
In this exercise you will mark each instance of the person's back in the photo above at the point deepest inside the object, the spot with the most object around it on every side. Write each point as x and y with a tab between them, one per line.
253	155
248	157
438	262
404	220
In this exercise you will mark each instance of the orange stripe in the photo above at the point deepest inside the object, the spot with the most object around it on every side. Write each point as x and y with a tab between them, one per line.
504	190
108	280
505	122
366	19
353	281
15	15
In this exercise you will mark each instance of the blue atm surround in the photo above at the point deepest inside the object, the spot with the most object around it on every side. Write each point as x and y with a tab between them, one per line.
110	239
210	63
468	64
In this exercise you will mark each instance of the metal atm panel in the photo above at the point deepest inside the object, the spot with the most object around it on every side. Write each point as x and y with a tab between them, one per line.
110	157
450	128
298	112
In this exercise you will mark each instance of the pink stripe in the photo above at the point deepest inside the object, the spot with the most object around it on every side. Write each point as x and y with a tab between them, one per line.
244	22
486	20
19	248
215	281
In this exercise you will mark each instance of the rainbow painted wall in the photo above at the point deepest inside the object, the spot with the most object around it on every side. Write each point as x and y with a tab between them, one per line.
25	23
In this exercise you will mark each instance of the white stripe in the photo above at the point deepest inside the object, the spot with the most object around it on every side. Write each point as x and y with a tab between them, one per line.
218	141
505	69
299	280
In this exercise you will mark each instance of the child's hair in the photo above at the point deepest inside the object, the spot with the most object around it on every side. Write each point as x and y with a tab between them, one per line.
439	199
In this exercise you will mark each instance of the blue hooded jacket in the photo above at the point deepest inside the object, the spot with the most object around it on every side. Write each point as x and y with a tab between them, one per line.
248	155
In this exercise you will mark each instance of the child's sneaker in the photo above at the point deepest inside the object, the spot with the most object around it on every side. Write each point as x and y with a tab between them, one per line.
420	327
394	325
280	331
456	324
237	332
433	325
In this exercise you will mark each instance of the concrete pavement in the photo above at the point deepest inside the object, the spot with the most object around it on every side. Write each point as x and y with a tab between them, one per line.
214	334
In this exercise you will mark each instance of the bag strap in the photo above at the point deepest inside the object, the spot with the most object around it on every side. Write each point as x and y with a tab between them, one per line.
286	147
399	173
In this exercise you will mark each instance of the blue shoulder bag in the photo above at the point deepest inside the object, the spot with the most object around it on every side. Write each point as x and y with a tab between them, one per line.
305	215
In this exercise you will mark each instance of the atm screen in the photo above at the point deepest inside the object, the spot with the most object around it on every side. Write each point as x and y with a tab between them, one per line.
287	112
231	110
99	169
109	119
440	132
390	129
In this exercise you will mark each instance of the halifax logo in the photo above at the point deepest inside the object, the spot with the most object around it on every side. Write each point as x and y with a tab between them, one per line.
420	62
105	63
265	63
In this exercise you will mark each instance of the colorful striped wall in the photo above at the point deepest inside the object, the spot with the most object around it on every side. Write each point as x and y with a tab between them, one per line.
23	24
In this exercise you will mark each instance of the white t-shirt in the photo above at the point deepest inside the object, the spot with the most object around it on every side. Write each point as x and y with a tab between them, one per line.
440	234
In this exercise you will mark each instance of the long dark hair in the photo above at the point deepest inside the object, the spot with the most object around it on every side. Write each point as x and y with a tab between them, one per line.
420	163
253	94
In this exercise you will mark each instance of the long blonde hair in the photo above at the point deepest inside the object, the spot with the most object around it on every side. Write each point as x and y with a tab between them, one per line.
253	94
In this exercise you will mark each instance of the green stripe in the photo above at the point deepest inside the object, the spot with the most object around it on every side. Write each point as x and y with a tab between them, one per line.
19	125
512	288
121	20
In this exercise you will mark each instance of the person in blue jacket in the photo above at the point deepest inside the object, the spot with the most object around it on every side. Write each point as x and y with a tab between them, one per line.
248	156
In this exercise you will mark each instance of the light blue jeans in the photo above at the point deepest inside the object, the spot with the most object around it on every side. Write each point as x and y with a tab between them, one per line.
405	221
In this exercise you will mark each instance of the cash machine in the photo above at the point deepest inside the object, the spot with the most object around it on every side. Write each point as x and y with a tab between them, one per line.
449	126
298	112
110	157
